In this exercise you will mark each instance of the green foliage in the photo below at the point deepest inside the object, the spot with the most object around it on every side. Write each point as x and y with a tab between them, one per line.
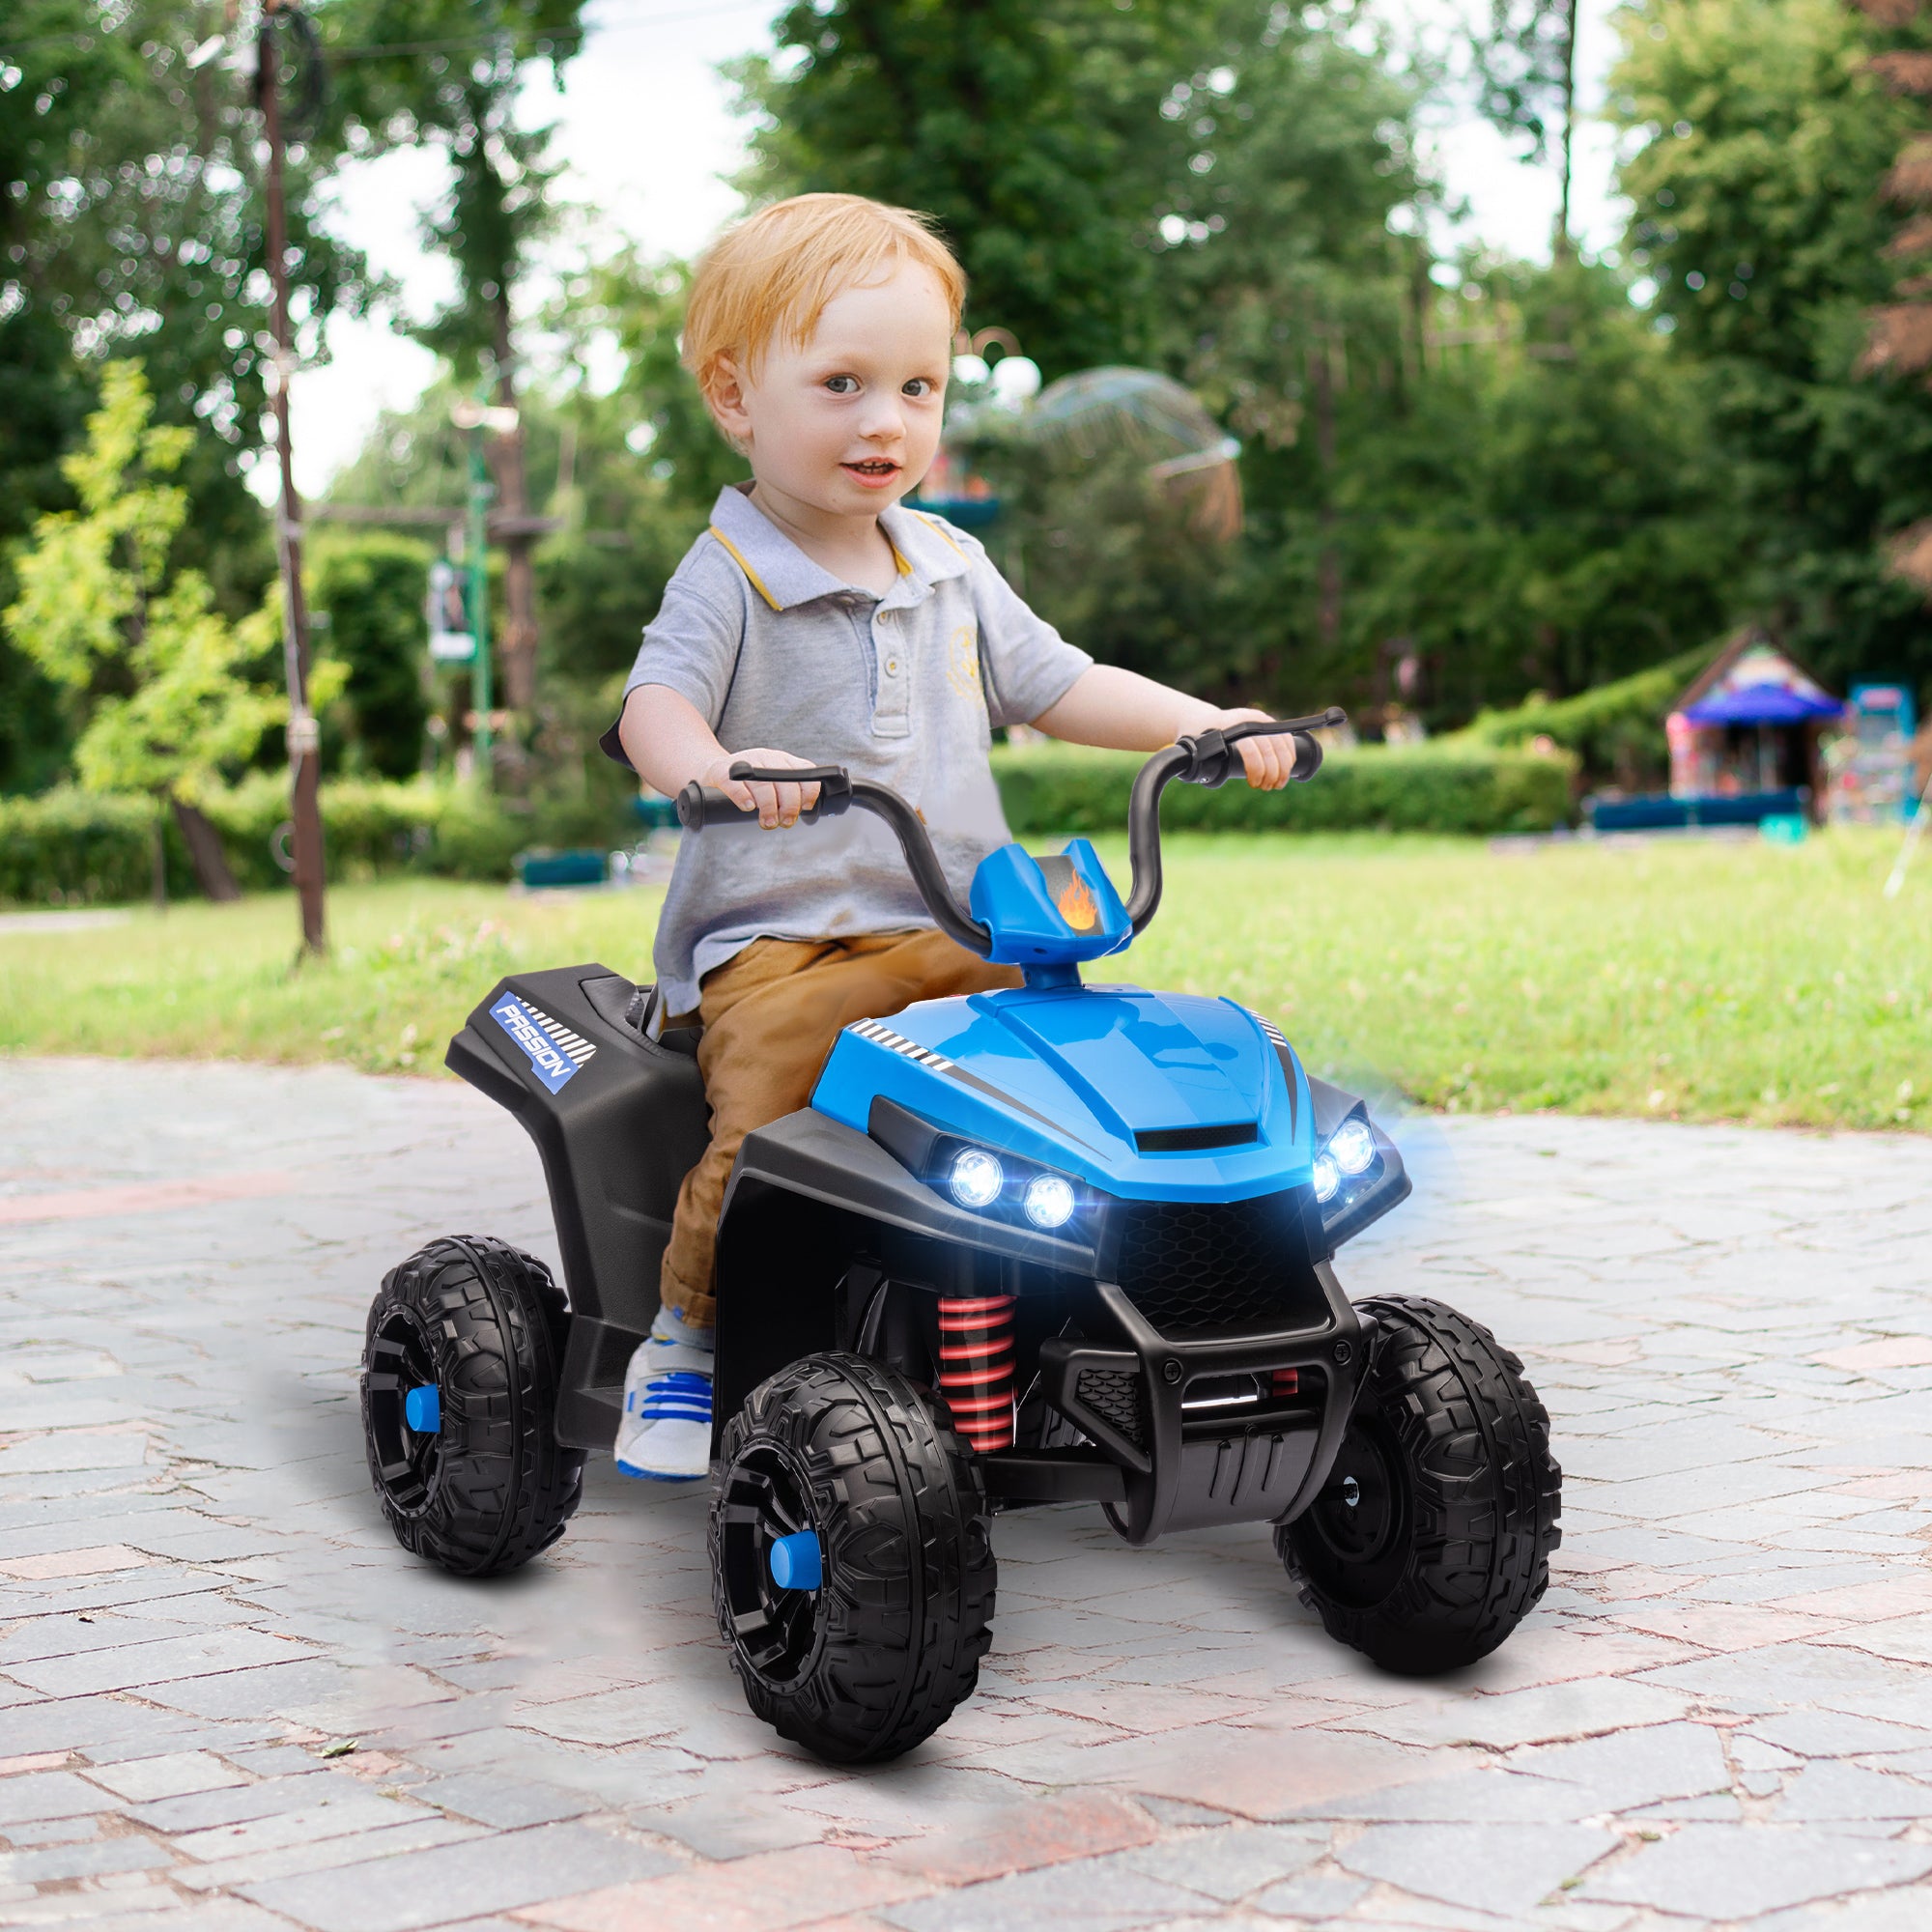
129	213
373	586
449	73
101	610
130	216
71	848
1027	128
1759	216
372	827
1551	514
1616	730
1525	68
1057	789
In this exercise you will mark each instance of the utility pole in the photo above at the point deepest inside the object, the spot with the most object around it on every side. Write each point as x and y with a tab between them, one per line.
305	736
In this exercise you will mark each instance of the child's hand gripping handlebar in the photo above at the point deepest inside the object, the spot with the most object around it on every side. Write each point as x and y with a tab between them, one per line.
839	791
1208	759
698	807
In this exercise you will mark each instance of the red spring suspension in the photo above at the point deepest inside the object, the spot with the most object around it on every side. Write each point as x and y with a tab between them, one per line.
975	1367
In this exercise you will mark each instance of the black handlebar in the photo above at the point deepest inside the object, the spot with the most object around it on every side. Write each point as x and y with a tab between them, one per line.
1208	759
839	791
1205	759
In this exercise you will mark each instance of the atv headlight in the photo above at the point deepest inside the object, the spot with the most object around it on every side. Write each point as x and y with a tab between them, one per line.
1353	1146
977	1178
1049	1200
1328	1178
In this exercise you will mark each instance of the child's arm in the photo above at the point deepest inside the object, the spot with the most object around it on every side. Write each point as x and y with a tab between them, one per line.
668	744
1126	712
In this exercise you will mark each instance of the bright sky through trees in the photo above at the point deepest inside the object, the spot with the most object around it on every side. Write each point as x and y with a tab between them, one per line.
644	123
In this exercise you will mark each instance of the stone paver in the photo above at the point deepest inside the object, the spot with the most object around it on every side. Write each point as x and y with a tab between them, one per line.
1721	1713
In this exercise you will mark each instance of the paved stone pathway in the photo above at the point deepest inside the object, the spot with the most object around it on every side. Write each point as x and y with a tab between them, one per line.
1721	1713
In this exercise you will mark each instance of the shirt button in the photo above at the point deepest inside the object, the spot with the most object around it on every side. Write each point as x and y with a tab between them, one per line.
892	666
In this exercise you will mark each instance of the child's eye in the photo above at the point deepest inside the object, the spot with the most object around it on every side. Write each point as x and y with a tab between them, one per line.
920	386
843	385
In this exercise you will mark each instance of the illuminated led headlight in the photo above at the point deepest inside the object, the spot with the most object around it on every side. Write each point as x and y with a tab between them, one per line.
1327	1178
977	1178
1353	1146
1049	1200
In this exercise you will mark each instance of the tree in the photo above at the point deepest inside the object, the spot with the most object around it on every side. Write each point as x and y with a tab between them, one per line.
1526	73
129	216
373	585
1028	128
105	613
1760	216
451	74
1552	515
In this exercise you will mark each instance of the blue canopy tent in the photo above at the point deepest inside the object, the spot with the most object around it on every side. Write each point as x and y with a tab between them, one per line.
1763	705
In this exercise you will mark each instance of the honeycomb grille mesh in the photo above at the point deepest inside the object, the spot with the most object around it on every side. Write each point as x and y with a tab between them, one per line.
1192	1266
1113	1396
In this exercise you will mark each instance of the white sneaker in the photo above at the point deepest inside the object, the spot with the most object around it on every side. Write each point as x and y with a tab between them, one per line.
665	1434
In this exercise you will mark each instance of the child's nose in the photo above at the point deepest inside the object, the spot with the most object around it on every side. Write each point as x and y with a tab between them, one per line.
884	419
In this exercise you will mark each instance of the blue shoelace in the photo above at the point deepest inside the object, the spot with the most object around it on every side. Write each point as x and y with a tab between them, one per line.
682	1396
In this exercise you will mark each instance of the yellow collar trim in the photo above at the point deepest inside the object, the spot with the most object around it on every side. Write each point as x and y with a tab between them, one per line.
939	530
758	583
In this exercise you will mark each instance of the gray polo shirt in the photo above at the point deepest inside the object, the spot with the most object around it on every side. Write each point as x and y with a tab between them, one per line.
904	689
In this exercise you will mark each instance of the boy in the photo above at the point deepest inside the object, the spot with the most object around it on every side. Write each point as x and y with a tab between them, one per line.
818	622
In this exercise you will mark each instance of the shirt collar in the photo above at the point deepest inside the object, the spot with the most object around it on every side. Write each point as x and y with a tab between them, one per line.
783	575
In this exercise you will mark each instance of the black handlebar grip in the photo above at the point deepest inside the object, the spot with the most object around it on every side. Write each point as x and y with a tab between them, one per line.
698	807
1212	759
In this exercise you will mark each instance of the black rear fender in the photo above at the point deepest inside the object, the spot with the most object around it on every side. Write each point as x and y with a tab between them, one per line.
618	1121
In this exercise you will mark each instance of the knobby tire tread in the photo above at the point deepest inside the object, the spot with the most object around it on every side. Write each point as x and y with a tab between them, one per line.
1485	1493
910	1577
505	1485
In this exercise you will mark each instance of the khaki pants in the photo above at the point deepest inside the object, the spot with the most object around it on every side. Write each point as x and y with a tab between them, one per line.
771	1014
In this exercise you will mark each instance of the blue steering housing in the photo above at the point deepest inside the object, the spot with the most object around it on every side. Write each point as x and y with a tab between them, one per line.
1054	911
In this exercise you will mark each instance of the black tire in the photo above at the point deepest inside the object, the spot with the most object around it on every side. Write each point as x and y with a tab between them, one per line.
875	1659
1430	1540
485	1324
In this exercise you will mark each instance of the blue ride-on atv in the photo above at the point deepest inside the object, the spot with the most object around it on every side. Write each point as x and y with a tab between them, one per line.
1063	1243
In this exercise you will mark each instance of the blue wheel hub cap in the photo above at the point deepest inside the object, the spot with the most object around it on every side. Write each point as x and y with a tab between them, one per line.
797	1561
422	1410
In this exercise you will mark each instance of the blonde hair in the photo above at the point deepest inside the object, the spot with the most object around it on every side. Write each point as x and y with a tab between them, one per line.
774	272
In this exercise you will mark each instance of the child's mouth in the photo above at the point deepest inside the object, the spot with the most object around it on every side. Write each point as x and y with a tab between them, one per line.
873	472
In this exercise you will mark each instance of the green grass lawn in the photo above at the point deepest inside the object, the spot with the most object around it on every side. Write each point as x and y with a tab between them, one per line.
1681	979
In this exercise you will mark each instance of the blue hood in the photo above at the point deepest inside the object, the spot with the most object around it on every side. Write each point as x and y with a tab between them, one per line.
1079	1078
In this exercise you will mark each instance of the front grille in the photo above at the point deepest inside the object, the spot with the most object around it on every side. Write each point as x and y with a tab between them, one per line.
1113	1396
1194	1266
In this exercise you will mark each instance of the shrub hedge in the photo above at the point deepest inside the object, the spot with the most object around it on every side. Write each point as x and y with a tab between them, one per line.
70	847
1615	730
1419	788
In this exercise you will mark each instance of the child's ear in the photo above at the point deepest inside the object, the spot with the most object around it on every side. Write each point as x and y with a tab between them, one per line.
725	392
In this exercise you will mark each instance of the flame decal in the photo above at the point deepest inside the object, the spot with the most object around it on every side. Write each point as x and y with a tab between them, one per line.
1078	906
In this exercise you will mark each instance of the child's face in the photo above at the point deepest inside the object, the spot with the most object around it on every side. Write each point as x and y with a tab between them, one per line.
848	422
